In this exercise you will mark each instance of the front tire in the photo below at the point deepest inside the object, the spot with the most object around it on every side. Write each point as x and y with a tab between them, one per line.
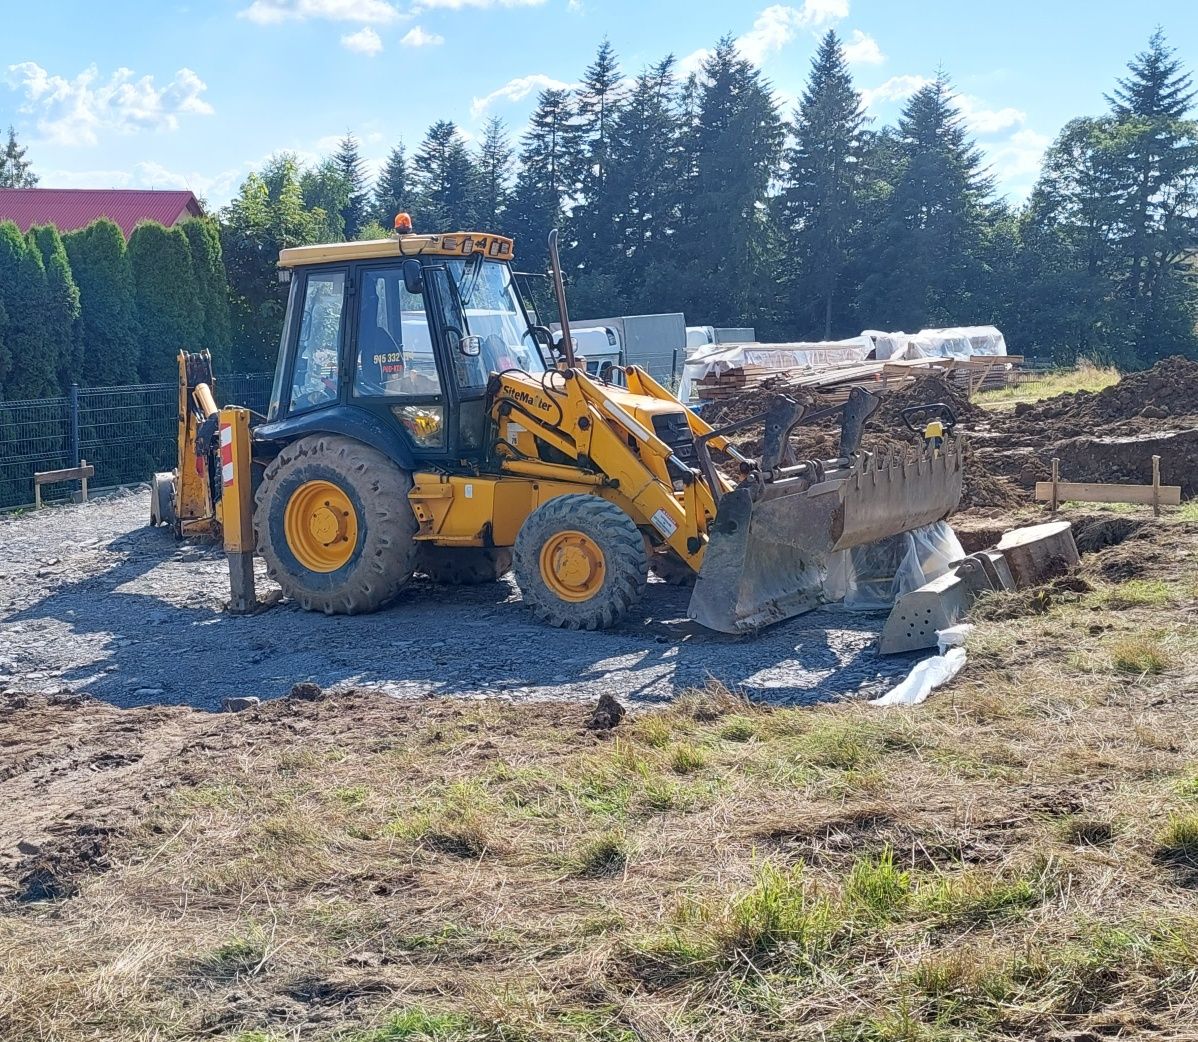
580	562
334	525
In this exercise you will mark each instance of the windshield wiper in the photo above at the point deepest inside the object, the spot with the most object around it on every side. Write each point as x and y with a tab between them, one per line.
473	268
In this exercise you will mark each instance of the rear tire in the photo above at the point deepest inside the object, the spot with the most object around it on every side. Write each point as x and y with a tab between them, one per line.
580	562
464	566
360	572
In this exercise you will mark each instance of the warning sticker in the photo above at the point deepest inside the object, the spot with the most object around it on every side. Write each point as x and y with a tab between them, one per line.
664	523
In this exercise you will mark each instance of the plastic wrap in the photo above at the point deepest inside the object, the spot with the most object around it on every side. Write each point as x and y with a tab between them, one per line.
924	677
874	576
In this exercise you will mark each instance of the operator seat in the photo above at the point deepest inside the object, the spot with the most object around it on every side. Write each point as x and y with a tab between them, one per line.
380	355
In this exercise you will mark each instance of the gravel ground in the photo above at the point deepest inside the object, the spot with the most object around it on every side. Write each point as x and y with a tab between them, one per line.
93	600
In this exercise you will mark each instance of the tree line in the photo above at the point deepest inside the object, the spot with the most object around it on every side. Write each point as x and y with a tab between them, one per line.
698	194
86	307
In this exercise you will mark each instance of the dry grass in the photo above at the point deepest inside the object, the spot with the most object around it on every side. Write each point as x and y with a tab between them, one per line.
1085	376
1016	859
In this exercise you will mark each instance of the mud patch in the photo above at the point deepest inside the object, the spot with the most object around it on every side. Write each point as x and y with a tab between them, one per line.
58	869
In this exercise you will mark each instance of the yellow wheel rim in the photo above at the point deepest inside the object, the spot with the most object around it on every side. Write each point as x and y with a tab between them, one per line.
572	566
321	526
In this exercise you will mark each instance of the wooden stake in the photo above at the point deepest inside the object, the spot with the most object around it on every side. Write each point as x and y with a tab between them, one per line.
1056	480
1156	486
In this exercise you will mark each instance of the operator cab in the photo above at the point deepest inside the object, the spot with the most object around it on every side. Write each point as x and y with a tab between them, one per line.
393	338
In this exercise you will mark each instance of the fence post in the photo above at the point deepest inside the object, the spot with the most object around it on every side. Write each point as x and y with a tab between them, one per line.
74	400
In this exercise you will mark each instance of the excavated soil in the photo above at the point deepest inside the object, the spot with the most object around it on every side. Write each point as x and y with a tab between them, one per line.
1104	436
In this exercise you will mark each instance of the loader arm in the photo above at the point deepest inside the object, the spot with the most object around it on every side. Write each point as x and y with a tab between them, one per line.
619	456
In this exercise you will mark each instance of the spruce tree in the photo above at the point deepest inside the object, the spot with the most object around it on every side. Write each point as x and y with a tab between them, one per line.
392	190
108	333
212	288
168	307
548	175
14	168
326	188
723	243
820	200
598	100
642	183
32	369
927	241
494	163
62	303
444	179
348	160
1159	145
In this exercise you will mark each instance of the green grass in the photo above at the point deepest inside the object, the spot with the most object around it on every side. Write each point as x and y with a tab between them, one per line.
241	955
1137	593
974	897
738	729
1188	511
876	890
1179	840
418	1025
686	758
1086	376
1140	655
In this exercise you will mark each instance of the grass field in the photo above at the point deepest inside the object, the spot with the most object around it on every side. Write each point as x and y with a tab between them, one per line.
1084	377
1016	859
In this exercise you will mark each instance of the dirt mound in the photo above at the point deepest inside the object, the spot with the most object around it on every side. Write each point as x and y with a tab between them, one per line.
1166	391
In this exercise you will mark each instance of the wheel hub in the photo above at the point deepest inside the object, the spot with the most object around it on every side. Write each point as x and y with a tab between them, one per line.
321	526
572	566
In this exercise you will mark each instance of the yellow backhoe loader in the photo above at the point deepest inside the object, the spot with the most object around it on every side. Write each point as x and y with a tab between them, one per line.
421	420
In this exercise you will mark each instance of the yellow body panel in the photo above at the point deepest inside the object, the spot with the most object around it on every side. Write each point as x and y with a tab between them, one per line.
605	437
451	244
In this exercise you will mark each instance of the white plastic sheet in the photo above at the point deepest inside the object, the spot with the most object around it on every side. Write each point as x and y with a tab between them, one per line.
873	577
923	679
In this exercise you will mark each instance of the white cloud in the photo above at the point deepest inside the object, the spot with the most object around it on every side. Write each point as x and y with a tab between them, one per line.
74	112
863	49
776	26
1016	161
417	37
271	12
364	41
458	5
897	88
772	30
516	90
981	120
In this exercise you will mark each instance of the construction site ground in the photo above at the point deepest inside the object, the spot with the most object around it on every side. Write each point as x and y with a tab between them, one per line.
754	852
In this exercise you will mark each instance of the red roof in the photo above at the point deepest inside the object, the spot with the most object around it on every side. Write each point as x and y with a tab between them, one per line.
71	208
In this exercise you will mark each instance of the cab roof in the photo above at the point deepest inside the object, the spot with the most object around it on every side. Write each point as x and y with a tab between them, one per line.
449	244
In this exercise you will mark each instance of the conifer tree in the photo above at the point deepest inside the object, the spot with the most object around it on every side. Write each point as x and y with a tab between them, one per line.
169	313
820	200
734	146
32	369
444	179
598	100
212	289
548	175
62	303
348	161
927	240
108	332
14	168
392	191
494	163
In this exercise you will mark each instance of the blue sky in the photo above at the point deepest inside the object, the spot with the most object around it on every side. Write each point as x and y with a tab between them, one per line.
139	93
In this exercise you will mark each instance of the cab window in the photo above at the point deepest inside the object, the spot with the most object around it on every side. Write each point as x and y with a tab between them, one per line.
395	351
314	378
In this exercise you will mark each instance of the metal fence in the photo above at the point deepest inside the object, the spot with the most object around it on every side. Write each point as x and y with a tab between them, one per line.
126	433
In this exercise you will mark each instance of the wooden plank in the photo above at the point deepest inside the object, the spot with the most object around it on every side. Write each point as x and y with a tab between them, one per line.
50	477
1093	492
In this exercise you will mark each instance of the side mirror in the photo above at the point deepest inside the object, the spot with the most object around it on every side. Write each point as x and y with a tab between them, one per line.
471	346
413	277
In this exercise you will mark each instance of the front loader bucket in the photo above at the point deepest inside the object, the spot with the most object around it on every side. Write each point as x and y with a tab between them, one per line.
766	559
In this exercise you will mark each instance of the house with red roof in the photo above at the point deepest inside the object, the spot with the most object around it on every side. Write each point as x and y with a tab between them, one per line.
71	208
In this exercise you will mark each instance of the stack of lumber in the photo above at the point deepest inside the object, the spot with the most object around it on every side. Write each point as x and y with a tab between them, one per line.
981	372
